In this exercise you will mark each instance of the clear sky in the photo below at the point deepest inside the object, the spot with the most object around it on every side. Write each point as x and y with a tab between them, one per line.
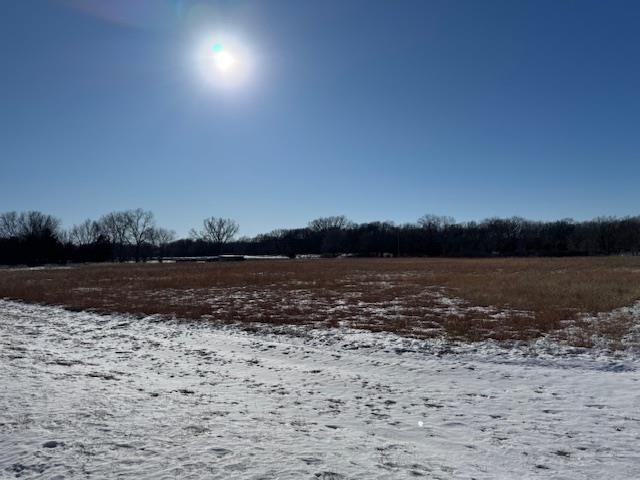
373	109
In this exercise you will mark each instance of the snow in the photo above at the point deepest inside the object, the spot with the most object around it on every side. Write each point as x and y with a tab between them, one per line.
106	396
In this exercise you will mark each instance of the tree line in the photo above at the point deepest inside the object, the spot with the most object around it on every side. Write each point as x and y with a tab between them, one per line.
441	236
33	238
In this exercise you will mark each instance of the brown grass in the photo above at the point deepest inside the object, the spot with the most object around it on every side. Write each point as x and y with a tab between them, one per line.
492	298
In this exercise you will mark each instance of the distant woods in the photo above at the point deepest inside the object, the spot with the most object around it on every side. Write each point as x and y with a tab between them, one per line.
439	236
33	238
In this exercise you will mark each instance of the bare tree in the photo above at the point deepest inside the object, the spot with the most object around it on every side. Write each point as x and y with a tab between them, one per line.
86	233
217	230
161	237
37	224
324	224
435	223
140	229
129	228
9	226
114	226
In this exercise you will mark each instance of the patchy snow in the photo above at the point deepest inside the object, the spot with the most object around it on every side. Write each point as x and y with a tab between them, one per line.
40	267
84	395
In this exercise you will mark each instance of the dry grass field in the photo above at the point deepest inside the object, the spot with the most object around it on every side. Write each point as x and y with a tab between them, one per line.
462	299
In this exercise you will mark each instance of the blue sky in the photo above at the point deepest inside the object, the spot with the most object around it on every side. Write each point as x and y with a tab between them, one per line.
373	109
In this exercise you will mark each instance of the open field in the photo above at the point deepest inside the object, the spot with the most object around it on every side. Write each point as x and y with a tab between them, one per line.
579	301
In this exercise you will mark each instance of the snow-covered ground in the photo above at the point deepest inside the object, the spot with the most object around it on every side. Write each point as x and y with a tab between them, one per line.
89	396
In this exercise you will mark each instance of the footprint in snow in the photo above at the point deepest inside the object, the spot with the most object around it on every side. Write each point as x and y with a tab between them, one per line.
52	444
220	452
329	476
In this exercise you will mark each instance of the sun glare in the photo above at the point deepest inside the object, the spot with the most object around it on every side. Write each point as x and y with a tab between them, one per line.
223	62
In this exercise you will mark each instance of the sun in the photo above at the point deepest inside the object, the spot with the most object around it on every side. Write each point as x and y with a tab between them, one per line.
224	61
